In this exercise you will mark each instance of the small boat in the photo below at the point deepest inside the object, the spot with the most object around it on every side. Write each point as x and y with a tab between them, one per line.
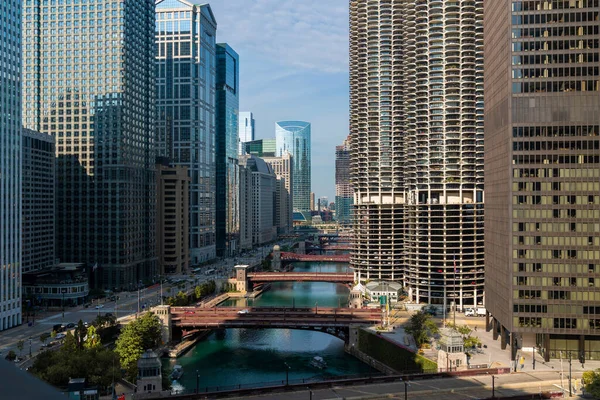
177	373
318	362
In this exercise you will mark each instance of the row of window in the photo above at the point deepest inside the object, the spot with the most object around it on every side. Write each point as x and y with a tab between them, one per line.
553	18
556	200
555	159
555	31
557	268
556	131
549	58
555	281
539	5
557	254
537	73
556	86
577	295
556	145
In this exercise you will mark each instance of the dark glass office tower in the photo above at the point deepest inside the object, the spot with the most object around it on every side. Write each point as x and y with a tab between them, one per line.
10	164
186	65
227	114
542	175
89	82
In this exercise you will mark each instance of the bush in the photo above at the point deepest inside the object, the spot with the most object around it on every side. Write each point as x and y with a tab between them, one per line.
395	357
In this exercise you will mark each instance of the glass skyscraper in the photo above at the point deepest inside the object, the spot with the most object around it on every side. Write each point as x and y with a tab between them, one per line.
89	81
343	188
294	137
185	67
247	131
228	104
10	164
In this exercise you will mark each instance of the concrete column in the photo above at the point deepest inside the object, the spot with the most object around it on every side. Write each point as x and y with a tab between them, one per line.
487	321
582	346
513	346
546	347
276	263
502	337
495	329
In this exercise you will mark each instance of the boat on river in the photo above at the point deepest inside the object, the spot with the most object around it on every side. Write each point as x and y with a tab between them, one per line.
318	362
177	373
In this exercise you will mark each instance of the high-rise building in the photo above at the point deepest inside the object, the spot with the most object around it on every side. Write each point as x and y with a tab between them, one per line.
294	137
228	99
172	217
343	188
10	170
323	203
261	147
38	201
96	97
283	169
542	173
260	193
186	126
417	147
312	201
246	130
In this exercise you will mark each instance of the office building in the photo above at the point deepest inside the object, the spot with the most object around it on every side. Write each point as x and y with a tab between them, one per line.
323	203
186	126
294	137
97	99
283	210
172	217
260	192
283	170
246	206
417	147
343	188
38	201
227	110
10	159
246	130
542	175
261	147
312	201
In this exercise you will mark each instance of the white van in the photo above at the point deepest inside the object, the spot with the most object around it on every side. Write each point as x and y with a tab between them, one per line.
469	312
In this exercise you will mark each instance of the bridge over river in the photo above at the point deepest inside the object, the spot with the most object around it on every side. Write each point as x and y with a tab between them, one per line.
335	321
335	277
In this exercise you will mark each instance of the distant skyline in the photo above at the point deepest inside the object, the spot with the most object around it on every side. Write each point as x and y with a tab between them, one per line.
293	66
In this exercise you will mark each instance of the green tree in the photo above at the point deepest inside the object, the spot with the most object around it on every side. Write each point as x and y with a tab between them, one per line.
70	344
53	334
44	337
465	331
80	333
591	383
20	345
198	292
11	355
92	338
421	326
140	335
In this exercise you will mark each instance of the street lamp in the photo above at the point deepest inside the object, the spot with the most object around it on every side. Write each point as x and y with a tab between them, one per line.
406	385
493	386
30	348
570	376
287	374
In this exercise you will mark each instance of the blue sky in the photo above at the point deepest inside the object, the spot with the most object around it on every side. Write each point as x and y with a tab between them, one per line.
293	66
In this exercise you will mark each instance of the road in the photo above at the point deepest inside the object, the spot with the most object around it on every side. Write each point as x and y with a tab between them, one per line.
479	387
125	306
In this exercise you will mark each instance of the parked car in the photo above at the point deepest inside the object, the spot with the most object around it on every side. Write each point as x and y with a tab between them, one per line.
469	312
70	325
99	306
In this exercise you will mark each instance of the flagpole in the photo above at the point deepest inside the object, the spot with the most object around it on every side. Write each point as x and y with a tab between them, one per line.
454	290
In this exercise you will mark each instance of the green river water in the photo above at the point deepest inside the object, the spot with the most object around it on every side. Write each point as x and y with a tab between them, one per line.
251	356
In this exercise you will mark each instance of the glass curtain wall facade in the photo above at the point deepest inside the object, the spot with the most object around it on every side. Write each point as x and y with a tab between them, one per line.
377	138
10	164
96	97
261	147
444	152
343	188
246	130
228	104
38	201
542	172
294	137
186	84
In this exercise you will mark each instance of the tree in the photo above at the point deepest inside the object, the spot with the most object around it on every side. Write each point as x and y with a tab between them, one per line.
11	356
80	333
44	336
140	335
70	344
421	326
20	345
92	339
591	382
465	331
198	292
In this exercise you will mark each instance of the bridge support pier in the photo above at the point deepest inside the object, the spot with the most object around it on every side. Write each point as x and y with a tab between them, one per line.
276	263
301	247
164	314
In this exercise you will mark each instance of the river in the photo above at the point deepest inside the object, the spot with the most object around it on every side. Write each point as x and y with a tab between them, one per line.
252	356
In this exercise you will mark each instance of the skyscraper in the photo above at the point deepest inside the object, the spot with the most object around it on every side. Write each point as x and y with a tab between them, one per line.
542	171
186	126
246	131
343	189
294	137
10	164
261	147
38	201
283	169
417	147
377	138
228	104
96	97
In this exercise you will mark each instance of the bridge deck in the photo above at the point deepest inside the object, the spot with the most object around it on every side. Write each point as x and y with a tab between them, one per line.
272	317
341	277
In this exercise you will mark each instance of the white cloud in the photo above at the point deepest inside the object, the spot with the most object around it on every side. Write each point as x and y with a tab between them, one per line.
304	34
